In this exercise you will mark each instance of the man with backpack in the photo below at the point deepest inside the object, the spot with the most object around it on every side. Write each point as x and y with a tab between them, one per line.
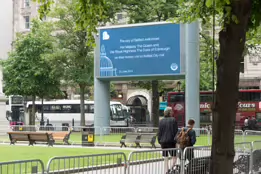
187	138
168	129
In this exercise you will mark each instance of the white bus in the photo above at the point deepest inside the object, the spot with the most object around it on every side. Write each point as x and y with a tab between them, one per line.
67	113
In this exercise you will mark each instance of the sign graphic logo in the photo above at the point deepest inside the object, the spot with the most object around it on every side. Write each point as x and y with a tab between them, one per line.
178	107
174	67
105	35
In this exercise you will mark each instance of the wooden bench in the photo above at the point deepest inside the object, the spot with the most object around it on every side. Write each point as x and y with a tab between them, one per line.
62	136
129	137
32	137
199	165
146	138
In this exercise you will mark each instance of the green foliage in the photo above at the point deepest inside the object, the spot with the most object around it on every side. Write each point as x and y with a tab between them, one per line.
206	58
72	58
203	9
149	11
26	72
91	14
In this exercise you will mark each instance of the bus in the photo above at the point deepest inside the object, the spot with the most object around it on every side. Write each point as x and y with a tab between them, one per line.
15	110
249	105
67	113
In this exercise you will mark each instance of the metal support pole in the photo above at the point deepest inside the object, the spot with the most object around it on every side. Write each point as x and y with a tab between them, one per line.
192	73
101	95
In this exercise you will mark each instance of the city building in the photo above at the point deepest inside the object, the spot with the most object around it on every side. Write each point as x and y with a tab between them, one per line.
5	47
6	16
251	76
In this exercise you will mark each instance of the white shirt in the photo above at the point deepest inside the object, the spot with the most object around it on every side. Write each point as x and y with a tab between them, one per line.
246	122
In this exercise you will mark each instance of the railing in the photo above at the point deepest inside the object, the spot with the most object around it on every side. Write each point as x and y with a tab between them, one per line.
190	160
98	163
107	136
22	166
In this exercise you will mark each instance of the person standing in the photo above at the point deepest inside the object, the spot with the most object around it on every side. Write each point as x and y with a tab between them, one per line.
246	123
187	138
168	129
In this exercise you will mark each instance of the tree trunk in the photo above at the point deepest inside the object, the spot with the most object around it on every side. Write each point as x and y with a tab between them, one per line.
32	118
155	103
82	93
232	43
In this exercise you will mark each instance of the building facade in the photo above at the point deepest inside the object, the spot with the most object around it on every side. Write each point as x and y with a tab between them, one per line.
251	77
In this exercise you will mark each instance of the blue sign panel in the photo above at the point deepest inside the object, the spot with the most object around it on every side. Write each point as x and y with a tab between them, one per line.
150	50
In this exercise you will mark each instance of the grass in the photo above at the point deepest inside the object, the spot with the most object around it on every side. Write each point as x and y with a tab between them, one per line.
12	153
202	140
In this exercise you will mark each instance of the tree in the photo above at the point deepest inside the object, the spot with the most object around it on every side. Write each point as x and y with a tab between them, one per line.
237	18
72	57
26	72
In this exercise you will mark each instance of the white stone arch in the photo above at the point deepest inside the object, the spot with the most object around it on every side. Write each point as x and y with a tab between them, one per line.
143	92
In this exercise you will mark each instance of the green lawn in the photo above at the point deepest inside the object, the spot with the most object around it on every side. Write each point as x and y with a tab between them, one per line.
14	152
11	153
202	140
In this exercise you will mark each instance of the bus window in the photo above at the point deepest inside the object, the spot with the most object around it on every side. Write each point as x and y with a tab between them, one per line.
91	108
258	117
177	98
206	98
249	96
117	113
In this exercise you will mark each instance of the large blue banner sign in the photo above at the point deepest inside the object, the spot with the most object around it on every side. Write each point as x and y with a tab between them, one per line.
150	50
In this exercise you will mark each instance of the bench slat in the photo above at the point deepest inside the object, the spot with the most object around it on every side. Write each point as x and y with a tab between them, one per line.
32	137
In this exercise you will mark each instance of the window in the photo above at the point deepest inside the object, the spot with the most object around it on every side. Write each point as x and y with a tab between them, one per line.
206	97
249	96
67	108
119	16
258	116
91	108
205	117
26	3
117	112
177	98
27	22
17	100
55	108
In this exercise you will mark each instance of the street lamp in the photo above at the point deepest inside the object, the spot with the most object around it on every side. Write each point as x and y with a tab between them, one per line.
179	86
120	95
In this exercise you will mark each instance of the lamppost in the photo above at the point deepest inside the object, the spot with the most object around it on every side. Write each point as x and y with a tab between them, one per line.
179	86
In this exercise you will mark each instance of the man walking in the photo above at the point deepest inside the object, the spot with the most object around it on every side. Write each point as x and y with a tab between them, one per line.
168	129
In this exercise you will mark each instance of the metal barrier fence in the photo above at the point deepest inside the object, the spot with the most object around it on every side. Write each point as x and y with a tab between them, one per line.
112	135
190	160
153	161
196	160
104	163
23	167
